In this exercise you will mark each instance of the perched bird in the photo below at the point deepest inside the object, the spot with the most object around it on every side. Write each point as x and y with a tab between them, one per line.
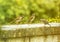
45	22
31	19
19	19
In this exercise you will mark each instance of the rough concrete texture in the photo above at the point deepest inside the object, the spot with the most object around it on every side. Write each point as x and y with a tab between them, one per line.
40	34
31	32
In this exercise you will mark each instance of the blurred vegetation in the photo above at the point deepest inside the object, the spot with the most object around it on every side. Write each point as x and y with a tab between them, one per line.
11	9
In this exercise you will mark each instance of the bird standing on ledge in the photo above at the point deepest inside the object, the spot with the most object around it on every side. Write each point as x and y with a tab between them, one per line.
45	22
19	19
31	18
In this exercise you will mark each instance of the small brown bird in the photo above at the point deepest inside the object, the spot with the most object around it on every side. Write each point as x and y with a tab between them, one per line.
44	21
31	19
19	19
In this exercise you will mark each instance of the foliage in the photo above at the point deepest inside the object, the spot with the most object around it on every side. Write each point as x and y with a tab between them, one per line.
47	9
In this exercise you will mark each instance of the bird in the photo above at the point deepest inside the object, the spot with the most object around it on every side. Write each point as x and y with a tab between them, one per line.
31	18
45	22
19	19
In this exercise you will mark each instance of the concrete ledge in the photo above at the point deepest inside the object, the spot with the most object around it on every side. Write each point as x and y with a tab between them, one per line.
24	26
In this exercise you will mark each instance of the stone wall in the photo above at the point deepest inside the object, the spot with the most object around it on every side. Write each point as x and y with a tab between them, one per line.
46	38
42	34
31	32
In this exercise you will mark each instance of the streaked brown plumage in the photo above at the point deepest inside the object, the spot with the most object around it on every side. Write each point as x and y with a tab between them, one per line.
19	19
44	21
31	19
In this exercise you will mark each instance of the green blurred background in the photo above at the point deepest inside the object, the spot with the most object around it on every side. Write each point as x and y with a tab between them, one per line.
47	9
